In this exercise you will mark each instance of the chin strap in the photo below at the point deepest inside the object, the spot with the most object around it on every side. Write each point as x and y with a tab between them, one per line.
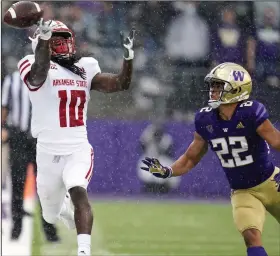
214	103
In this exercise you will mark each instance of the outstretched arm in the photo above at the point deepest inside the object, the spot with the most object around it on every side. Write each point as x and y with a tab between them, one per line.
191	157
40	68
183	164
107	82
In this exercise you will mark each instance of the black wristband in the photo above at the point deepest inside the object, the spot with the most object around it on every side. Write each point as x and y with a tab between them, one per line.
168	172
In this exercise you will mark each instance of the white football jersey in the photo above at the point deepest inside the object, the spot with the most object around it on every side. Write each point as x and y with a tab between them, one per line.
59	105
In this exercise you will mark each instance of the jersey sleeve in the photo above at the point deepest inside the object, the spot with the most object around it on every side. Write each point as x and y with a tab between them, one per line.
260	114
92	66
24	67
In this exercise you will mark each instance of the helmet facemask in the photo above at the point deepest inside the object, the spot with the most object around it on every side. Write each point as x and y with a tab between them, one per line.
62	45
217	89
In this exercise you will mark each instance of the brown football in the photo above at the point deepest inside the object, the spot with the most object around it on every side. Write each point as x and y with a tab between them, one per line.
23	14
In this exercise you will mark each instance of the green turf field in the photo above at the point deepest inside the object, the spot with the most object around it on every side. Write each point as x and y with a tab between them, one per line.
160	228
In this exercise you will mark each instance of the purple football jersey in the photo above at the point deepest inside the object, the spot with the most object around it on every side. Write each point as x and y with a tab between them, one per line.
242	152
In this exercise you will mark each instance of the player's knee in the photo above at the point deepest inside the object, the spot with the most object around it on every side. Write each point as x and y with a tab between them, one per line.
79	197
252	237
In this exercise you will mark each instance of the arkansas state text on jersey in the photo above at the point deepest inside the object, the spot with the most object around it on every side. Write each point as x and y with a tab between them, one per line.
242	152
70	82
59	105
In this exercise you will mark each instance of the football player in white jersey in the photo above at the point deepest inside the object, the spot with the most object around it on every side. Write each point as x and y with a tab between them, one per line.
59	87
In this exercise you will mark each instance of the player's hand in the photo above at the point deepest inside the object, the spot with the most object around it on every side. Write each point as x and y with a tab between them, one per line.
45	29
277	180
127	43
155	168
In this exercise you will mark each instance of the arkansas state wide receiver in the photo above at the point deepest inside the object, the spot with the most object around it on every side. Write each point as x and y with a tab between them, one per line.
59	85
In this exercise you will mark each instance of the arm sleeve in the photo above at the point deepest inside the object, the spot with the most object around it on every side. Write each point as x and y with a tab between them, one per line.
198	124
93	66
260	114
24	67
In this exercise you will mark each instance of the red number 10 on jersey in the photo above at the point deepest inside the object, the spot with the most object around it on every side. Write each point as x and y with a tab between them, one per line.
75	113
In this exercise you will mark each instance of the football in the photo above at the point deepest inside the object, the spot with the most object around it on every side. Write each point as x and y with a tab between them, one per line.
23	14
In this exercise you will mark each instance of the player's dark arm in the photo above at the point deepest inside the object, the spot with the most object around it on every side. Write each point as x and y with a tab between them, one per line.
107	82
40	68
269	133
191	157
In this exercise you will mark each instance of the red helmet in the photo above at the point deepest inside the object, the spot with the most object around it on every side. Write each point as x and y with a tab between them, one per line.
60	47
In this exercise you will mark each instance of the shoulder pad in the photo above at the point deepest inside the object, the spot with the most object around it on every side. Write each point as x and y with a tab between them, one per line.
251	106
205	109
88	60
255	110
203	115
